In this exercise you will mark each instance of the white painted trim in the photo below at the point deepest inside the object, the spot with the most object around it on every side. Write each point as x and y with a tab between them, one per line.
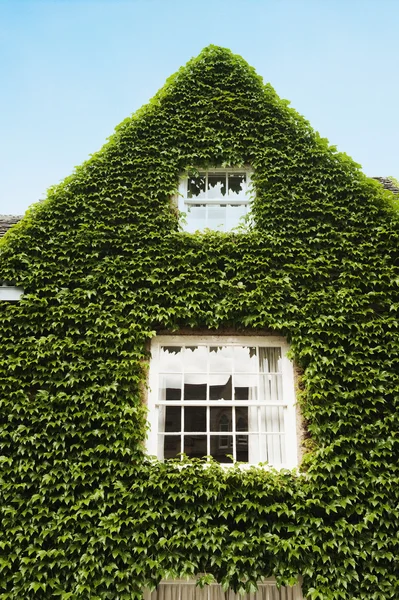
290	435
10	293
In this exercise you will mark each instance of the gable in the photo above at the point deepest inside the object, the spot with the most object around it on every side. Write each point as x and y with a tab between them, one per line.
104	267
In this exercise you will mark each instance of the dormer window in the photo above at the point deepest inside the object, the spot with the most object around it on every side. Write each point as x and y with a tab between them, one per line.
216	199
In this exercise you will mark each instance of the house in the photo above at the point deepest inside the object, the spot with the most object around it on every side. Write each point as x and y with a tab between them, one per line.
270	335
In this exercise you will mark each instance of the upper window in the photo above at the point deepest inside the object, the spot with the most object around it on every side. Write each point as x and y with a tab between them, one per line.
229	398
217	199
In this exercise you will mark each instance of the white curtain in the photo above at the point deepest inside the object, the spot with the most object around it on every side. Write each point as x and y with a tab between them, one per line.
270	419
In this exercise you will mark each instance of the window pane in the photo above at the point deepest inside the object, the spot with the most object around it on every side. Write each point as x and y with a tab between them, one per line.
235	215
171	445
195	217
194	418
170	387
216	185
172	418
195	446
245	387
196	186
237	185
255	442
170	359
195	386
270	388
220	387
275	449
270	360
245	359
221	446
221	419
216	217
220	359
272	418
195	359
242	450
242	418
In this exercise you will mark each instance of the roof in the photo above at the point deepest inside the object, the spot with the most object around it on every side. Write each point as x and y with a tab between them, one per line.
7	221
388	184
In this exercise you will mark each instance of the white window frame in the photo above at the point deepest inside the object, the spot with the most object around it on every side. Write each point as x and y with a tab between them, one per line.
288	392
210	592
184	202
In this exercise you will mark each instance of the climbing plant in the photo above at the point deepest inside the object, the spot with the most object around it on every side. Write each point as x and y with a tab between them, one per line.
105	266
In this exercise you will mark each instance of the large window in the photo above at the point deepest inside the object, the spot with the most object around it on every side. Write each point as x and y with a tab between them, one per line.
229	398
187	590
217	199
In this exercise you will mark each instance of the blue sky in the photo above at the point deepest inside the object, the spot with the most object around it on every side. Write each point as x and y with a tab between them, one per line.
71	70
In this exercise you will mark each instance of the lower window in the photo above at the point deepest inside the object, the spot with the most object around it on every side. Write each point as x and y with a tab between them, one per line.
229	398
187	590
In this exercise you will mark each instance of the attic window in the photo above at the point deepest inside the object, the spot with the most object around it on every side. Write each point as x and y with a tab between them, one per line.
216	199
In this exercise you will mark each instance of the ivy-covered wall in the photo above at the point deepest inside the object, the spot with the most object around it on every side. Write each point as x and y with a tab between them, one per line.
84	513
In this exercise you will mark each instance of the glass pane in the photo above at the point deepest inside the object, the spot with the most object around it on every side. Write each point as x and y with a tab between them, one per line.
170	359
255	441
220	387
195	446
195	359
242	450
194	418
272	418
237	185
242	418
169	387
270	360
195	386
220	359
216	185
196	186
245	359
271	388
253	420
275	448
195	217
171	445
221	419
245	387
221	446
216	217
235	214
172	418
